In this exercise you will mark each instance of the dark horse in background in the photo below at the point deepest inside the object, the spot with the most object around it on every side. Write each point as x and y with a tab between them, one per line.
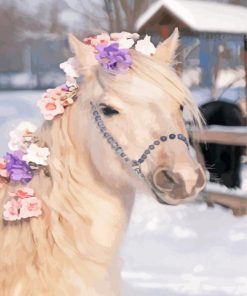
221	160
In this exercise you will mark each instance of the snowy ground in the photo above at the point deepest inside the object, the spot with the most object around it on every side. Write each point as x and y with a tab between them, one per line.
168	251
184	250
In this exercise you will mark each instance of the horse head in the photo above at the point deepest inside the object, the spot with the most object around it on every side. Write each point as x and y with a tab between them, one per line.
133	122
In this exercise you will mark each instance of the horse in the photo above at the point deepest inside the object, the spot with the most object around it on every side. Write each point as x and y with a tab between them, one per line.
223	161
87	197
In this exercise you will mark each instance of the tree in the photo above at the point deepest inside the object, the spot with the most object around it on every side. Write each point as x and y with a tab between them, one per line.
109	15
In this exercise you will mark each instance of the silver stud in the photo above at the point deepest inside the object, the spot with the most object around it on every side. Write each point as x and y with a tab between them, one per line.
172	136
163	138
119	150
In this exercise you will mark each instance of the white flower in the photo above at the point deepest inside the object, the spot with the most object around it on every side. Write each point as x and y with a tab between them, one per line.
124	35
125	43
24	129
125	39
36	154
69	67
145	46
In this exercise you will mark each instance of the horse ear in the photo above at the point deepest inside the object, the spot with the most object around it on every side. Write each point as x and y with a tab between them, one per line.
84	54
165	51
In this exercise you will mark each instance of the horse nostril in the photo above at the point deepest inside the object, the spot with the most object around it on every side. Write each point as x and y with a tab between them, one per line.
163	180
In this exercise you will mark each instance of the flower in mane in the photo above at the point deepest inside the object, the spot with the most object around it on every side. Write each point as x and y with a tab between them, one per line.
125	39
30	207
69	68
17	168
112	50
23	192
37	155
22	204
11	210
53	102
103	39
50	106
113	59
22	136
145	46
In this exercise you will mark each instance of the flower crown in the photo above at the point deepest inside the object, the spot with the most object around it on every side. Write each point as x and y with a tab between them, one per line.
112	51
27	156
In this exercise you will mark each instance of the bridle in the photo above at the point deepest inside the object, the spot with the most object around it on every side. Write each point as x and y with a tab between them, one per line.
135	165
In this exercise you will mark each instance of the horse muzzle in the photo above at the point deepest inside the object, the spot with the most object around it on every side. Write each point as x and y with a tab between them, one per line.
173	188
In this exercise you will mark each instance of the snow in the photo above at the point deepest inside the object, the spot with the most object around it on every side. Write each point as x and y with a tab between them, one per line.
241	192
230	76
188	250
183	250
196	15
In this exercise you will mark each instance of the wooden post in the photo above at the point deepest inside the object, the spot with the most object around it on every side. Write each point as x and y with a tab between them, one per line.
245	67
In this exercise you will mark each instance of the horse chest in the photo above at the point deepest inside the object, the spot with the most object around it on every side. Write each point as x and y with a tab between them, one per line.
109	219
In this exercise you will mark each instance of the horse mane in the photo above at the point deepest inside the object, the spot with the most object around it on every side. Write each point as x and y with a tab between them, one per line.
60	237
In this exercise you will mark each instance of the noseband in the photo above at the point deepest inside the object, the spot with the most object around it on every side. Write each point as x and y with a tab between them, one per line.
134	164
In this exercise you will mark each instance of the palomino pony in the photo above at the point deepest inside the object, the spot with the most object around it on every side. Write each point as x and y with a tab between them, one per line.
72	248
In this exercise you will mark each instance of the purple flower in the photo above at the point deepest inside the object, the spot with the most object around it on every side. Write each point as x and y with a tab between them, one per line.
113	59
17	168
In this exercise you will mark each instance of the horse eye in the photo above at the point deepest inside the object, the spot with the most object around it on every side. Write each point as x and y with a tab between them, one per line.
109	111
181	107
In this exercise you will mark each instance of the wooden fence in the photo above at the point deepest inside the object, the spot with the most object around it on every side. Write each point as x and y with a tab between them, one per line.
230	135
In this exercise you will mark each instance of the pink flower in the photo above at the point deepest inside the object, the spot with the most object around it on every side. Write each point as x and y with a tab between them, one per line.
30	207
22	204
24	192
11	210
50	107
89	40
103	39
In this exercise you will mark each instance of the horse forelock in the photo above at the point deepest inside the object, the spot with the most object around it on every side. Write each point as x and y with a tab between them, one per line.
148	72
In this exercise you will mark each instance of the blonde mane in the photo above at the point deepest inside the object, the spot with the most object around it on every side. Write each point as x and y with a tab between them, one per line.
162	75
40	253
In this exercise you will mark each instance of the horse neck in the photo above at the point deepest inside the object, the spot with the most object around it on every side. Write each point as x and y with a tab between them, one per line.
103	210
109	208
